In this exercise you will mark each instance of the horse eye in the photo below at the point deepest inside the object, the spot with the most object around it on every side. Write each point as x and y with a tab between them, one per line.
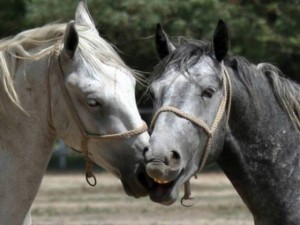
209	92
92	102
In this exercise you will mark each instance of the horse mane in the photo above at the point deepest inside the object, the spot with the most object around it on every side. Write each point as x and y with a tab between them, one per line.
39	42
187	54
286	91
22	46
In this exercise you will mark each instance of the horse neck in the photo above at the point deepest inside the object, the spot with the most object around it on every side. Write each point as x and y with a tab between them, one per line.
25	142
261	154
30	81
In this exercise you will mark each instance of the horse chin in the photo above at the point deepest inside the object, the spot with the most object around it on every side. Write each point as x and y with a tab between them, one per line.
165	194
134	188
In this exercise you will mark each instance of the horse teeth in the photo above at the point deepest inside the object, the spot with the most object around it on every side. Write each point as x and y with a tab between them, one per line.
160	181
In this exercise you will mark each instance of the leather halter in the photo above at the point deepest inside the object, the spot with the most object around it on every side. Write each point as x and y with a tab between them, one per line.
85	135
225	102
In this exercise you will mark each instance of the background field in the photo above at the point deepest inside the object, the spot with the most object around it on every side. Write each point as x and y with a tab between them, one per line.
66	199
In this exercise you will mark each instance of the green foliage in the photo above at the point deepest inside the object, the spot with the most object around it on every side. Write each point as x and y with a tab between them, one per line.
12	13
260	30
40	12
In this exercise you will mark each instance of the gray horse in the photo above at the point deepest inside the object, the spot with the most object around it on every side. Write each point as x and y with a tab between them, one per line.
212	106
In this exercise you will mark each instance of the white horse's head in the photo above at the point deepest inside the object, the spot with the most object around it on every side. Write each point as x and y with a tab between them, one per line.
93	106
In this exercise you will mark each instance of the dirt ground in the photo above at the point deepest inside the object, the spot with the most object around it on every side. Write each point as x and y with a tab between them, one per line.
66	199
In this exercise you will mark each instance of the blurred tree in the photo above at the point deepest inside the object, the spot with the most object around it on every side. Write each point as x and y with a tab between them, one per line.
260	30
268	31
12	13
40	12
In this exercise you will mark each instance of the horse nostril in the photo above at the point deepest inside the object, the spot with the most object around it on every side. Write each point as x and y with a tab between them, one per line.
174	155
175	159
145	150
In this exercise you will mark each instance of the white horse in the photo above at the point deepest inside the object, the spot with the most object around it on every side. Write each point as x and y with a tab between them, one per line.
64	80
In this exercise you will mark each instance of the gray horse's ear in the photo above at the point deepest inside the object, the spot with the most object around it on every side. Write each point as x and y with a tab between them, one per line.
83	16
221	41
163	45
70	40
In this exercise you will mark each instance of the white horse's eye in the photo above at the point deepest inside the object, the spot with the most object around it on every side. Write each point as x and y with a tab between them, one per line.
93	102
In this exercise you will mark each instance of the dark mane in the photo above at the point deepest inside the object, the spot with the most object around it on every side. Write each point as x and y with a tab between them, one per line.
286	91
186	55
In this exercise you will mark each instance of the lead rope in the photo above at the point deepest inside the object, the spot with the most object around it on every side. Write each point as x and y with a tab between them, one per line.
188	200
49	116
89	165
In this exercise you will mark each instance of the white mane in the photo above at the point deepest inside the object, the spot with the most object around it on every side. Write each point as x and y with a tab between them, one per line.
37	43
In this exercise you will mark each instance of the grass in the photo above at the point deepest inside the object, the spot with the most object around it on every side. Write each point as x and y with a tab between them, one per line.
66	199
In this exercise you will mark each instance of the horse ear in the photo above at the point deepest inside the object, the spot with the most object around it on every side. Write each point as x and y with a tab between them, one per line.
70	40
221	41
163	45
83	16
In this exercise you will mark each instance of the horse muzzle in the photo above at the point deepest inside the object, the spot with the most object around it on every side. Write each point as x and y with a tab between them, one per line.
162	166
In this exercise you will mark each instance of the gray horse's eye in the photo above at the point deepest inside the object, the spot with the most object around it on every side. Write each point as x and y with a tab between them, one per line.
93	102
209	92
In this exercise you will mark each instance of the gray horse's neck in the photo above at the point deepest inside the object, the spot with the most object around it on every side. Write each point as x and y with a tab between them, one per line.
25	147
261	155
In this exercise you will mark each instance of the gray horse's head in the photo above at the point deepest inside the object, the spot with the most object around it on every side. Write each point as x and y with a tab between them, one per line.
188	90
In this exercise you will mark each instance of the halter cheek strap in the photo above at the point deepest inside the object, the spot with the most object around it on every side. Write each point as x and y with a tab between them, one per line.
85	136
225	102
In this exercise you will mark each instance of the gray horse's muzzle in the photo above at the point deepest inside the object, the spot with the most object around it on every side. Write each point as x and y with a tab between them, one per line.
162	166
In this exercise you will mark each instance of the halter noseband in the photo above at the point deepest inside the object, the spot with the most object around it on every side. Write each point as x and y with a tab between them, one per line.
225	102
85	136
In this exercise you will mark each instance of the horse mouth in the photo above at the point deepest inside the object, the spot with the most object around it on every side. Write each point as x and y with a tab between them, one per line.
160	191
136	191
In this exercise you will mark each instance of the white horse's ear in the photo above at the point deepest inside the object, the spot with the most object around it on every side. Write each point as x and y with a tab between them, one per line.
71	40
83	16
163	45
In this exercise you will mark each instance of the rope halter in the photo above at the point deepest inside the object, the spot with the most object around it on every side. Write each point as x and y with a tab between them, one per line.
225	104
85	135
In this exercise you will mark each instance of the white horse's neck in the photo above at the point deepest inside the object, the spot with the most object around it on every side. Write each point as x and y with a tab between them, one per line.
25	144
